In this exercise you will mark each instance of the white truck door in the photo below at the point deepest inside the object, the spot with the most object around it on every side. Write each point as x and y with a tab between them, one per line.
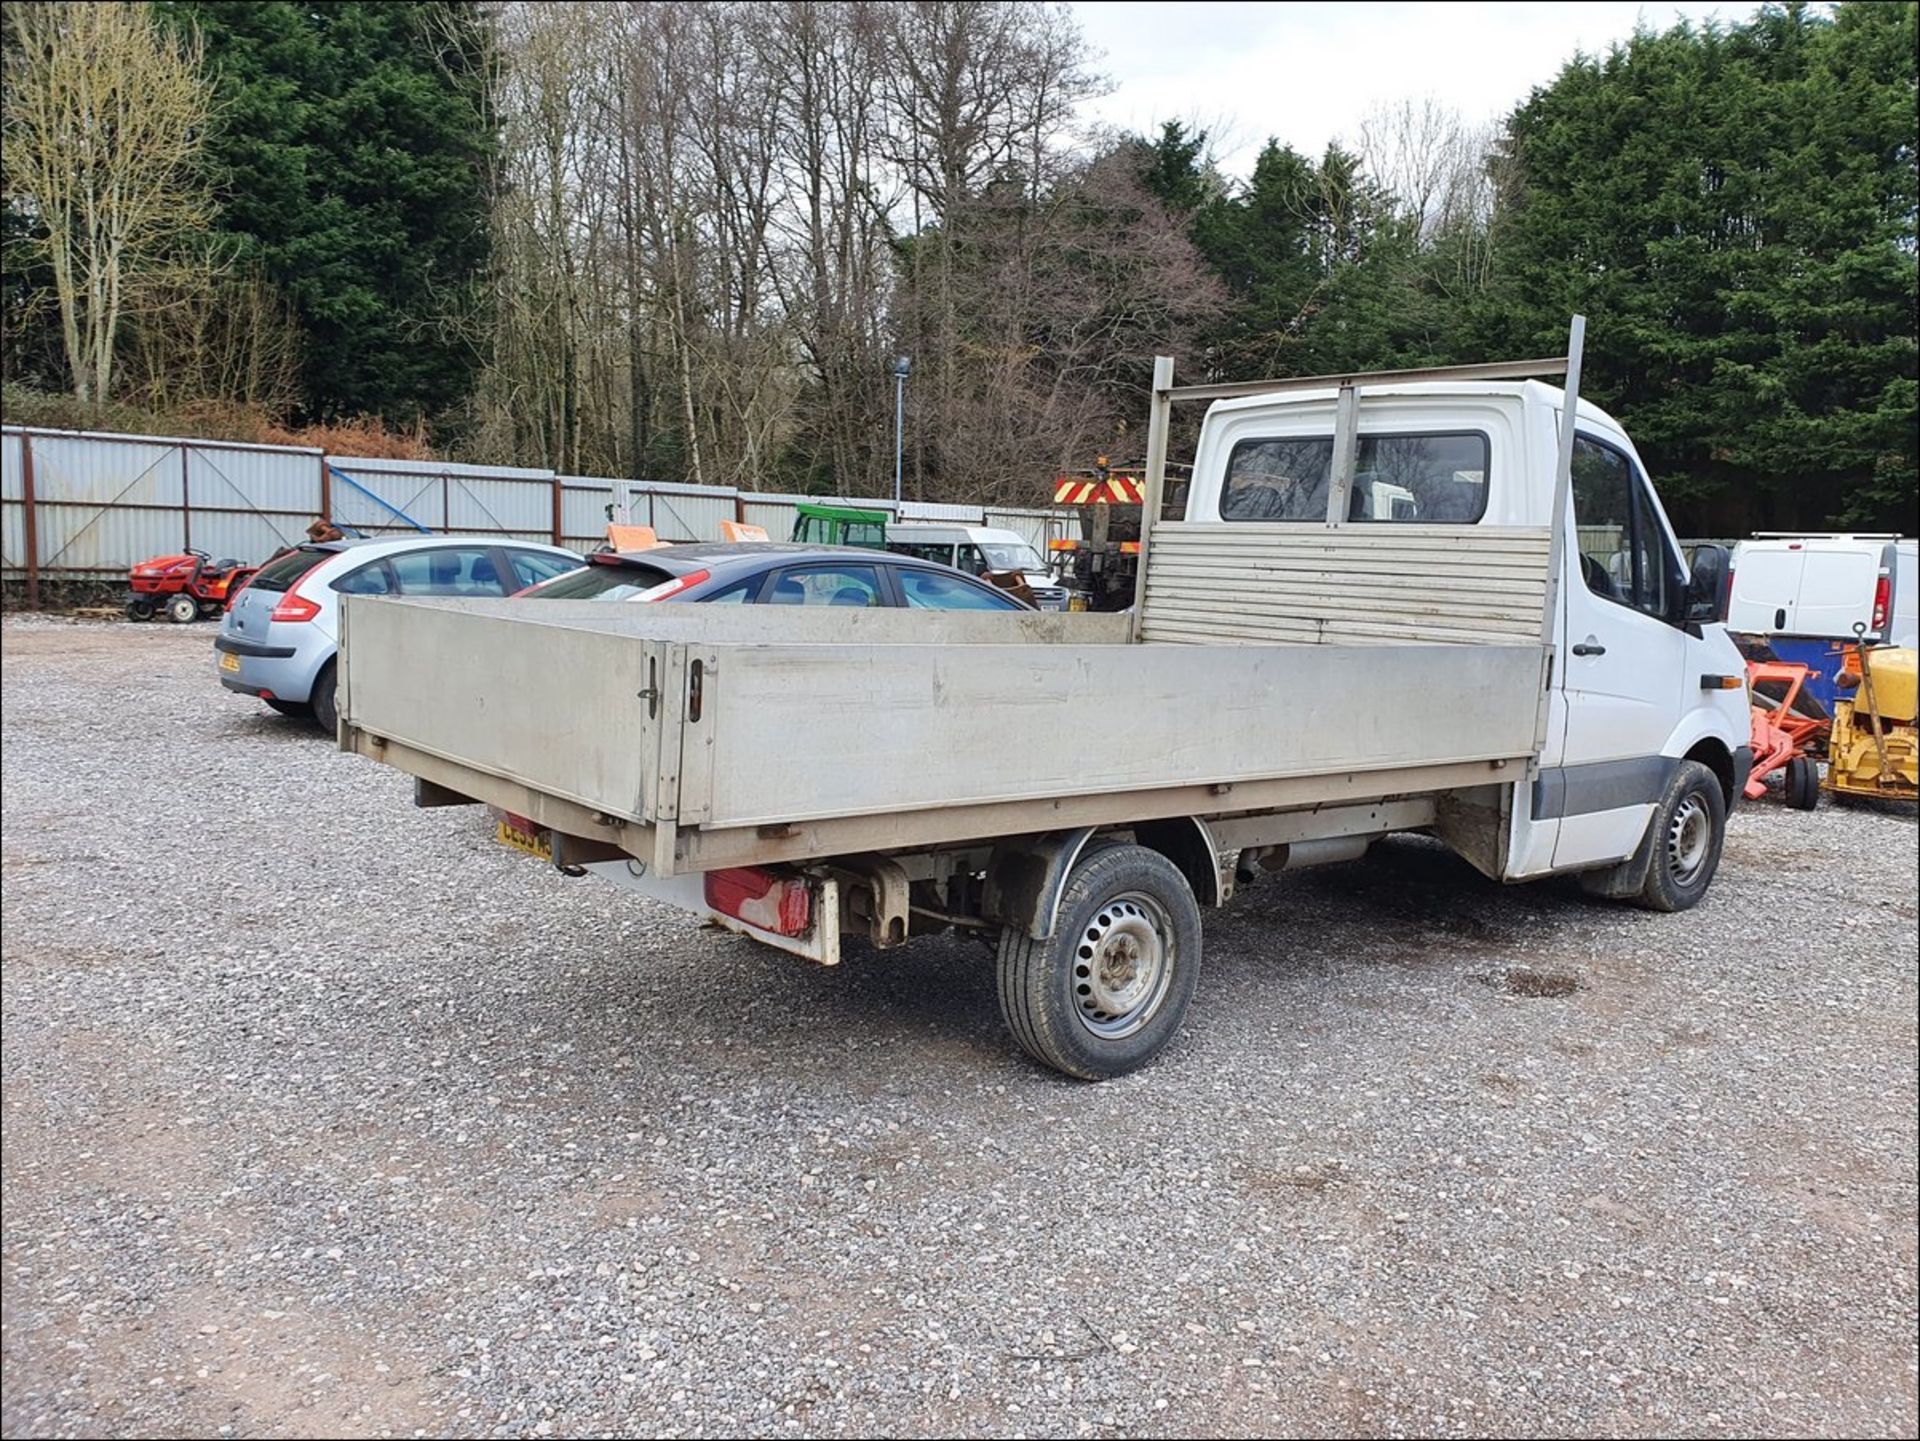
1625	661
1766	585
1836	587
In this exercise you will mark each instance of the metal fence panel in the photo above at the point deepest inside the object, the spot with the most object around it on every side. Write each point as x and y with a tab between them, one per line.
12	466
246	478
95	470
13	537
522	508
104	502
772	513
583	510
92	540
682	513
382	496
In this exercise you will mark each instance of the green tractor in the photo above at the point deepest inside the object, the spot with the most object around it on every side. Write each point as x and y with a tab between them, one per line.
839	525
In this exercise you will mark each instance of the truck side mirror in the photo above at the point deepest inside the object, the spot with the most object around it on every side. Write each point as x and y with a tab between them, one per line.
1707	586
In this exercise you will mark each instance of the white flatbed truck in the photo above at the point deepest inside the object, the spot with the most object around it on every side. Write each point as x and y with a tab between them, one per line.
1513	660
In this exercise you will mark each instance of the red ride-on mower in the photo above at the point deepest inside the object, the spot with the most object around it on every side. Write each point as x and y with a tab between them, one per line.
187	587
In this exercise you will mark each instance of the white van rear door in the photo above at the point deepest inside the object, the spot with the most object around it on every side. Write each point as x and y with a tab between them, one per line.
1836	588
1905	621
1766	581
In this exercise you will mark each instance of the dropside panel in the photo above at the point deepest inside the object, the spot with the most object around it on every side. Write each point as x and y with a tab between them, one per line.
814	732
560	710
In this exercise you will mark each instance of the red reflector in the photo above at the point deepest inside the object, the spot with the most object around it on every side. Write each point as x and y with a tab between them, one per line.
1882	595
781	904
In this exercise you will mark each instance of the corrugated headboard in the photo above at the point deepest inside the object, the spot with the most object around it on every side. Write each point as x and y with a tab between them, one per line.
1228	582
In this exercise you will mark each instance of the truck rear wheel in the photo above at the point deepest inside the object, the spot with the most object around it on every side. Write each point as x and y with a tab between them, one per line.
1689	828
1108	989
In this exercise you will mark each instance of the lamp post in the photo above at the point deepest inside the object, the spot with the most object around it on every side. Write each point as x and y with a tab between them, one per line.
902	366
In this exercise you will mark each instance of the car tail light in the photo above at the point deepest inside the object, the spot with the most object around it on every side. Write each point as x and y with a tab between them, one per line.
668	589
769	902
1882	599
294	607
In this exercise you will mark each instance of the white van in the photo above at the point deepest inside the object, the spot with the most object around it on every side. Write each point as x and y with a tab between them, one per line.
980	550
1822	586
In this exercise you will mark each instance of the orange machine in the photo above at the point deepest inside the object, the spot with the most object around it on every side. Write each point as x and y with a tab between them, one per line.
1784	733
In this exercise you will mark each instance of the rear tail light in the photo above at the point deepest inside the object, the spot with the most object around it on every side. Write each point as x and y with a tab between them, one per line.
769	902
668	589
1882	599
294	607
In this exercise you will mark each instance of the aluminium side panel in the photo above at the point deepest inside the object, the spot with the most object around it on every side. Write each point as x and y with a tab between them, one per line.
564	711
803	732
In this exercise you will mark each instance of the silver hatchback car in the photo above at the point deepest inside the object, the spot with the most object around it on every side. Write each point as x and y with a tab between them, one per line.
279	637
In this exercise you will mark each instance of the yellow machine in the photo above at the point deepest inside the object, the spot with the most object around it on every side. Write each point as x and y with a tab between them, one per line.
1875	746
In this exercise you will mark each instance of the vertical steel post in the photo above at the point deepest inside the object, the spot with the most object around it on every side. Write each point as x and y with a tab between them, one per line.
1346	449
32	522
899	431
326	491
186	504
1159	422
556	509
1558	540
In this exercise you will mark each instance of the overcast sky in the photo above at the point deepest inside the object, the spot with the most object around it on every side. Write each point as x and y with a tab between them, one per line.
1308	72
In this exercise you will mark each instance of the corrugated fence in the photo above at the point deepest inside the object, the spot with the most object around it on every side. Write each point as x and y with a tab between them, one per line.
82	505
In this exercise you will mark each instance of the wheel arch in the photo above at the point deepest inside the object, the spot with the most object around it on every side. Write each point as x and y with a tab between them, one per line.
1026	875
1713	753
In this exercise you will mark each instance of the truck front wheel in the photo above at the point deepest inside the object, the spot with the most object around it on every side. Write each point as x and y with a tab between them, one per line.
1108	989
1689	828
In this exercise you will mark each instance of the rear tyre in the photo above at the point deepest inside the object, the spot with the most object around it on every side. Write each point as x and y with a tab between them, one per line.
1803	783
139	607
1108	990
289	707
322	701
1689	827
182	609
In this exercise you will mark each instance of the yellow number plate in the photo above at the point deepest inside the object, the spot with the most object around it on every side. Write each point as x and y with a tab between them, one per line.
229	662
533	845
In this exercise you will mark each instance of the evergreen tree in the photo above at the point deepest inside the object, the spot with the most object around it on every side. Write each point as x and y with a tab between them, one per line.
1735	210
351	162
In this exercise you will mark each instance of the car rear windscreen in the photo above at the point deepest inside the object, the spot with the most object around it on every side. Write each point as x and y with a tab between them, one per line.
281	572
602	582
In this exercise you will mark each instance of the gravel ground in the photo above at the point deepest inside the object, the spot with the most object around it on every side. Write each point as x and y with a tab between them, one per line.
328	1116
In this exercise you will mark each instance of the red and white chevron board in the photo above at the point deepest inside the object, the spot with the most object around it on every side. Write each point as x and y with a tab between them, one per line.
1115	489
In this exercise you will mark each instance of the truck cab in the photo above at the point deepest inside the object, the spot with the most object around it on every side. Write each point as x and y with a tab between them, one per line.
1642	675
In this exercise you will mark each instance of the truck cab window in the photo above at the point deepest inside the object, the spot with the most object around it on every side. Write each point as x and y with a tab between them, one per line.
1624	553
1277	480
1436	479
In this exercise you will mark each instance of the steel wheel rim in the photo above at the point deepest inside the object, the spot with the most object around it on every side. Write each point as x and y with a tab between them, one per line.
1689	838
1123	966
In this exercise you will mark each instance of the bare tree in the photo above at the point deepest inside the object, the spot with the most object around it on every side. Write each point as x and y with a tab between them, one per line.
104	121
